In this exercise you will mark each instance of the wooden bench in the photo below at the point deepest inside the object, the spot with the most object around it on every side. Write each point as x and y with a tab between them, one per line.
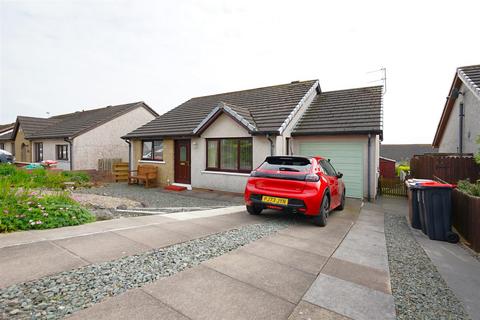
145	173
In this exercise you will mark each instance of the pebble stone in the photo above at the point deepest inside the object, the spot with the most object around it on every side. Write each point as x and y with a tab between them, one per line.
418	289
55	296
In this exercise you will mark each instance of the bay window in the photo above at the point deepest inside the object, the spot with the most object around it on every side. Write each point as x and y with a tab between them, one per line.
229	154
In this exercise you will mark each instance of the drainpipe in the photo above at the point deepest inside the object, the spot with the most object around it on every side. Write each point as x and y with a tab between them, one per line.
460	129
368	166
272	146
129	154
70	142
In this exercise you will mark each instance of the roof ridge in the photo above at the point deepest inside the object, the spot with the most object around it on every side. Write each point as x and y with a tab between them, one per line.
95	109
246	90
357	88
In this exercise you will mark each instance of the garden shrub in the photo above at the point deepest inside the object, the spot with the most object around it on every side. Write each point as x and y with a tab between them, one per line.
472	189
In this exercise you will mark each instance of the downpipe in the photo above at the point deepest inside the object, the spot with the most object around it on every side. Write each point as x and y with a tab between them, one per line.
272	146
70	142
368	167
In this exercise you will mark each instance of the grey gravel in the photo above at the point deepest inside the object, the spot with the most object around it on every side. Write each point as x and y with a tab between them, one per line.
418	289
159	198
58	295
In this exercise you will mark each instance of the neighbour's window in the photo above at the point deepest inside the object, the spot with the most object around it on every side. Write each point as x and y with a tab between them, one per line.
13	149
62	151
38	149
152	150
229	154
328	168
2	146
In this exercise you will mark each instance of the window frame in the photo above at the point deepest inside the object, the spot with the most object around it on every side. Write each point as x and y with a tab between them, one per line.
152	158
219	153
38	151
59	151
2	145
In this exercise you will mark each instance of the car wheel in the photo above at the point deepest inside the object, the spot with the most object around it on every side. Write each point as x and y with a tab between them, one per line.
254	210
342	202
321	219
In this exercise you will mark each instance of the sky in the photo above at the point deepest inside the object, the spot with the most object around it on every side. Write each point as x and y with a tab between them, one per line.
64	56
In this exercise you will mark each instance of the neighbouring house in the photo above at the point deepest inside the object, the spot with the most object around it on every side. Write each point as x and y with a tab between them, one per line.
6	142
459	126
78	140
215	141
402	153
387	167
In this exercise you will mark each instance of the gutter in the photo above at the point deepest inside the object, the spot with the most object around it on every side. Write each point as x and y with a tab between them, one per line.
70	142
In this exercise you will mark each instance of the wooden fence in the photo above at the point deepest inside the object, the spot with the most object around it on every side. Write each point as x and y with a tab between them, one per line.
466	217
447	167
120	171
106	165
392	187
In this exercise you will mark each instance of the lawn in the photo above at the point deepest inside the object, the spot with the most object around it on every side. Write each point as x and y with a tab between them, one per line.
25	204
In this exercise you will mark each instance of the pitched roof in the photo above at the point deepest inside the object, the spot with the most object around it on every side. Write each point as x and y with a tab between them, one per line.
6	127
470	77
30	125
265	108
351	111
6	136
404	152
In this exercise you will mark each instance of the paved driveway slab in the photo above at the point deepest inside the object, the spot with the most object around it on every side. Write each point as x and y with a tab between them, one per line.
350	299
315	246
300	260
153	236
102	247
308	311
280	280
202	293
187	228
30	261
134	304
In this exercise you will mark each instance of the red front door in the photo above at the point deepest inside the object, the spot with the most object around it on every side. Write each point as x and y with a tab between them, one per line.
182	161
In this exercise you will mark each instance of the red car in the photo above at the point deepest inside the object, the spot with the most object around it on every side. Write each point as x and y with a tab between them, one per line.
307	185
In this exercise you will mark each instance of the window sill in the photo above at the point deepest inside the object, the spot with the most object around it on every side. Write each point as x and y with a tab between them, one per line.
239	174
151	161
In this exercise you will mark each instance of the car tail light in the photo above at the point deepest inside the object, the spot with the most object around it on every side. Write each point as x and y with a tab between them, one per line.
312	178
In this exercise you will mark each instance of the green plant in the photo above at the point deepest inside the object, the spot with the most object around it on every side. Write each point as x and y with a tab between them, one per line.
402	167
472	189
477	155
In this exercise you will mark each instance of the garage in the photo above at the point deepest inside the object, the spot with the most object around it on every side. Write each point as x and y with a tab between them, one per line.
346	157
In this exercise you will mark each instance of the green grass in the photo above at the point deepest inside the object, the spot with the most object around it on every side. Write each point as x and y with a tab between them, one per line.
24	208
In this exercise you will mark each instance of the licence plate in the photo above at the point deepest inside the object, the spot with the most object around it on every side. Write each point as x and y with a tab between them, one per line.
275	200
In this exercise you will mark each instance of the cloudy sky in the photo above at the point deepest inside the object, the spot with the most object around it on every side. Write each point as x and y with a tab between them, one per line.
63	56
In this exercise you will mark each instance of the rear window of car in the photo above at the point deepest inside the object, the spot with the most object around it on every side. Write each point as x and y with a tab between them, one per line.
291	164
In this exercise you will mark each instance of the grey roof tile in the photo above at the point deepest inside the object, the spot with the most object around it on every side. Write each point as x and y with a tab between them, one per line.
267	107
404	152
344	111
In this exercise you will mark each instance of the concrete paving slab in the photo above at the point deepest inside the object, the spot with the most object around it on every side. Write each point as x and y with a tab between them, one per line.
189	229
27	262
459	269
277	279
301	260
203	293
369	258
153	236
308	311
20	237
217	224
330	236
102	247
369	277
369	227
206	213
134	304
350	299
314	246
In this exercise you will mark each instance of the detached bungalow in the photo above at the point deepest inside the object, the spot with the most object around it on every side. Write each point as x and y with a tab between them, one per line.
459	126
78	140
6	142
215	141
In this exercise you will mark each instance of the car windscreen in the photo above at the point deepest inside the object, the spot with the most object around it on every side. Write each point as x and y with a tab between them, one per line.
287	164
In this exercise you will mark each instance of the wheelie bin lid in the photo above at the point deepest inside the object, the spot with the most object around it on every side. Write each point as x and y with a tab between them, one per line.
416	183
435	184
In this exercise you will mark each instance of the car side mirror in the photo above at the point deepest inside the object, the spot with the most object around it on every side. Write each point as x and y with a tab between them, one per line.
339	175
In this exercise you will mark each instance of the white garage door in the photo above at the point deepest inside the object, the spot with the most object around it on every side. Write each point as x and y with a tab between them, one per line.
346	158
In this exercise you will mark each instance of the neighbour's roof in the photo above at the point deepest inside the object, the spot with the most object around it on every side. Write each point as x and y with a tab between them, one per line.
404	152
351	111
265	109
6	136
73	124
388	159
470	77
6	127
30	125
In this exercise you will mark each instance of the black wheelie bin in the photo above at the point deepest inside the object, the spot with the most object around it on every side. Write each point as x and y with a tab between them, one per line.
413	186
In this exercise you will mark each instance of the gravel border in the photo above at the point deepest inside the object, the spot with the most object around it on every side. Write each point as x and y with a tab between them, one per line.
418	289
58	295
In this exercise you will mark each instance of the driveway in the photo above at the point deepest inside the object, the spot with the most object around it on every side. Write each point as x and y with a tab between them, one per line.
220	263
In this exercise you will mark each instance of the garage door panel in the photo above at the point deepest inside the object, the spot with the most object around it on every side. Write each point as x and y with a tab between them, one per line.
345	157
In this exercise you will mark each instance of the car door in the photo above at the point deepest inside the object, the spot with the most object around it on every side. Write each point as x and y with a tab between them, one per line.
333	183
